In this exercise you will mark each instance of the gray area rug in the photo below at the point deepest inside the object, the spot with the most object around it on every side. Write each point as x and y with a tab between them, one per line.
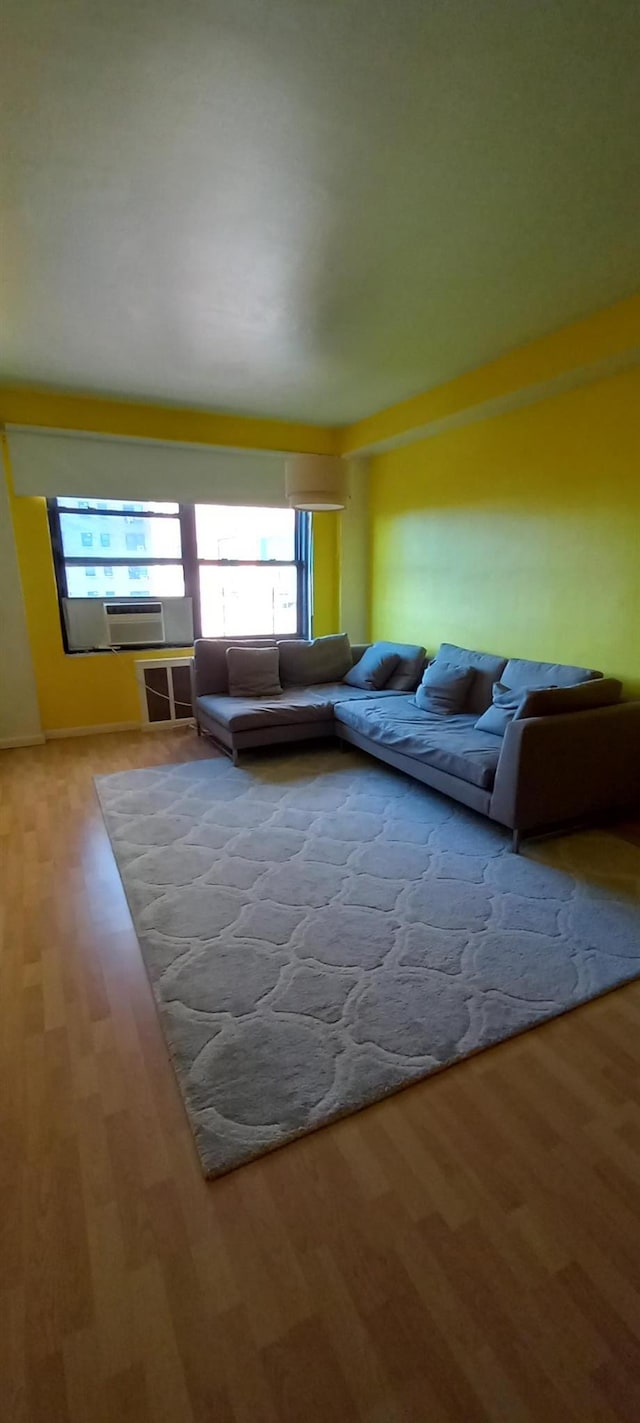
320	931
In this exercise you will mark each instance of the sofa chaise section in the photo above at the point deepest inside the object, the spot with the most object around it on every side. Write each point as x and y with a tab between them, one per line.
450	744
298	713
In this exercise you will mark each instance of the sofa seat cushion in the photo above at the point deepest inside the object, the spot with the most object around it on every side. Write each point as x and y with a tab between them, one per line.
294	706
332	692
449	744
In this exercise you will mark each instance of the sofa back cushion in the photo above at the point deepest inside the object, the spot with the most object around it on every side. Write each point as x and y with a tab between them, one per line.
444	690
210	662
323	659
373	670
487	667
409	668
519	672
253	671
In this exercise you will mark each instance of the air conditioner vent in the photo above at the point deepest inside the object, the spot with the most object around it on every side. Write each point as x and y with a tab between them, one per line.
128	607
132	624
165	692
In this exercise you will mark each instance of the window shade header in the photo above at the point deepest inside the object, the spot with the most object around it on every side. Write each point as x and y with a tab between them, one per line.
52	463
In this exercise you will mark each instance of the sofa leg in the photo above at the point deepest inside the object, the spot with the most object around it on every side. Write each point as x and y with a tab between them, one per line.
516	840
198	728
235	756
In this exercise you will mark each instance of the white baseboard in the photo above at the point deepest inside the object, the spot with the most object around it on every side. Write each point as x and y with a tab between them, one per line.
66	731
60	732
168	725
8	743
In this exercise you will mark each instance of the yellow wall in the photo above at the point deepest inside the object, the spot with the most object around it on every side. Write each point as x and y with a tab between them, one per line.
326	574
605	336
519	534
92	690
24	406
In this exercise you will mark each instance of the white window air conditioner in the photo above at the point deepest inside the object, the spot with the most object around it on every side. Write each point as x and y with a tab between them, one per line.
134	624
127	622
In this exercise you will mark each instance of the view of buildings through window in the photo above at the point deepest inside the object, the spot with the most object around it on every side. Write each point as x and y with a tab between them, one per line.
246	598
246	566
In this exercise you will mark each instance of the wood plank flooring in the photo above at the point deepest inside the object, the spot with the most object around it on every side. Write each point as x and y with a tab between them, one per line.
466	1251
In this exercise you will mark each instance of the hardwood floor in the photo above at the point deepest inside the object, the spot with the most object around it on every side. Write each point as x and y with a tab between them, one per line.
468	1250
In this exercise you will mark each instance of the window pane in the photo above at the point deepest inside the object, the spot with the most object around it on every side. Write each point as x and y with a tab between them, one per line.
227	532
244	602
127	506
159	538
162	580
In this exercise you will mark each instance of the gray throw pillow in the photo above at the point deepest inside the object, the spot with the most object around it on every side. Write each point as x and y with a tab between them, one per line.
444	689
406	676
253	671
487	668
373	670
325	659
512	703
505	706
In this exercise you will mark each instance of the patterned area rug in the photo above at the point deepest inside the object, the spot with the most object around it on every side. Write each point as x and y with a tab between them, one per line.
320	931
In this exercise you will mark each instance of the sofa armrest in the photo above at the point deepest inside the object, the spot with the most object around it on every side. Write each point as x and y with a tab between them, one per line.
194	688
560	768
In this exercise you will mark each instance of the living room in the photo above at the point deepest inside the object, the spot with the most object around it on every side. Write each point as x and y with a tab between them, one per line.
354	414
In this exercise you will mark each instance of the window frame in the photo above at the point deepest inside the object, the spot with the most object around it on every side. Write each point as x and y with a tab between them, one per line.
191	564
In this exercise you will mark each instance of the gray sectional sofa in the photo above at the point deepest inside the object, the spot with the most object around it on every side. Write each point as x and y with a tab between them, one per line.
570	752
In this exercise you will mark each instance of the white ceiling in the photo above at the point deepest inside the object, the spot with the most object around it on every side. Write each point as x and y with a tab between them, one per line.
309	208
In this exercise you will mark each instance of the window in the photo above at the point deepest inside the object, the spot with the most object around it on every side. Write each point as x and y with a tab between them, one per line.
246	570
